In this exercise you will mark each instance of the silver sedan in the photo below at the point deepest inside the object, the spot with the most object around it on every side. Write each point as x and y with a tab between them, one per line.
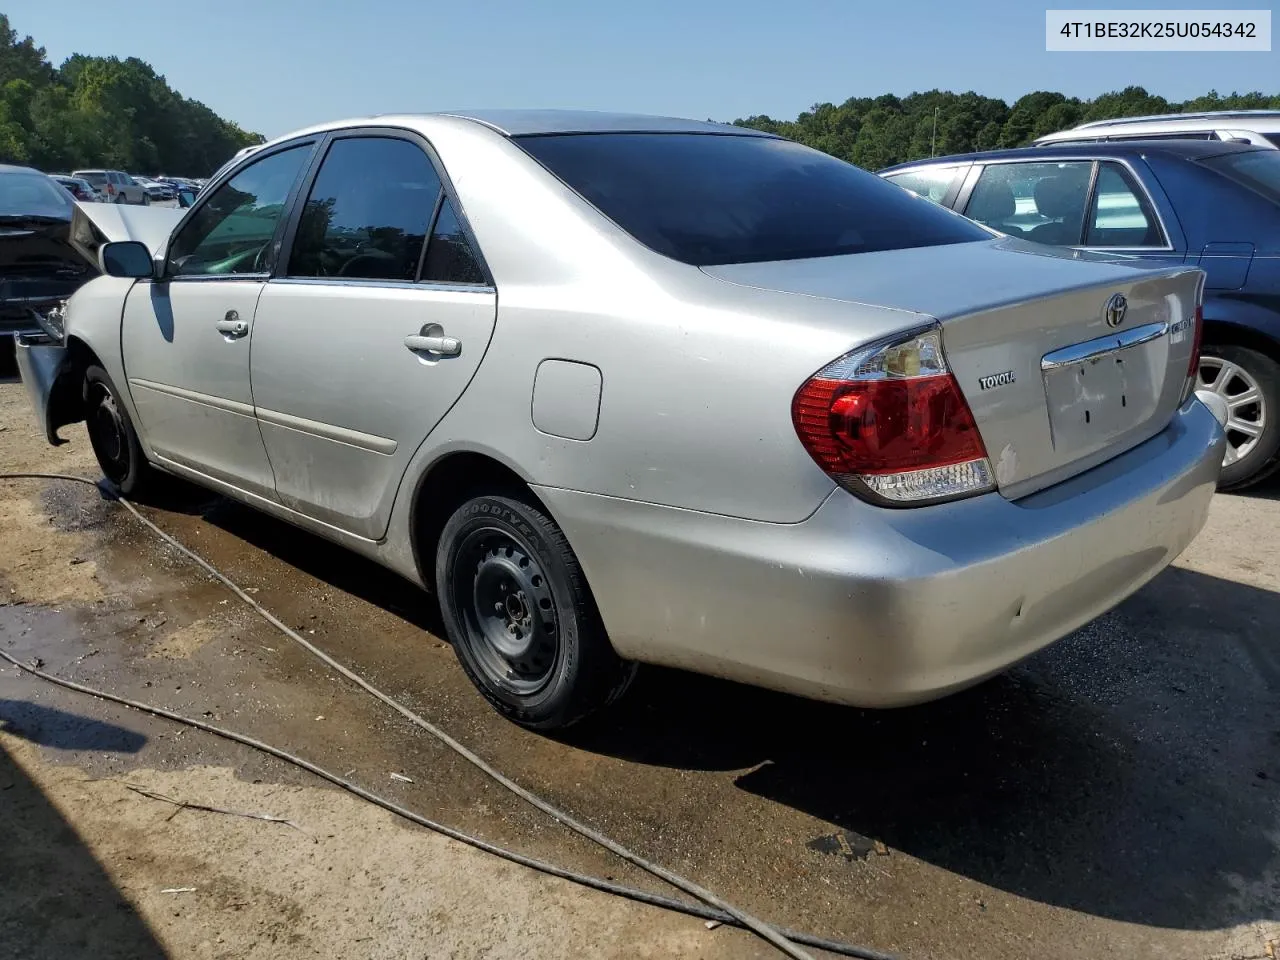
630	389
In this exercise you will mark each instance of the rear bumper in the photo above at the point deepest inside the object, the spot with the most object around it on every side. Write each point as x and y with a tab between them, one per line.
877	607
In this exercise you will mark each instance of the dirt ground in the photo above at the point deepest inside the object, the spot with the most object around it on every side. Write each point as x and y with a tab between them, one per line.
1117	795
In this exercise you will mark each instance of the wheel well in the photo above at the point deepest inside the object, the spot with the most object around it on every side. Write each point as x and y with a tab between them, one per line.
1215	331
447	485
66	400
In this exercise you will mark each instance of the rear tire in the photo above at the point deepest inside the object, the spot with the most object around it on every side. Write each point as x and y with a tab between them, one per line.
1249	382
521	617
112	436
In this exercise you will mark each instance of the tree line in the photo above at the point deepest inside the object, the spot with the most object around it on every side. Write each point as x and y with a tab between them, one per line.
109	112
104	112
880	131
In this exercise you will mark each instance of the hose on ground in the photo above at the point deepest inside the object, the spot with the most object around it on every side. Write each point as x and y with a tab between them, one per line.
715	909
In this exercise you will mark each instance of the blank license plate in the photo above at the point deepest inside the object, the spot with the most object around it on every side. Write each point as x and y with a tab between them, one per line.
1095	400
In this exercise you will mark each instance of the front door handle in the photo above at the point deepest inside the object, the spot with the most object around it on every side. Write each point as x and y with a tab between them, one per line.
232	327
439	345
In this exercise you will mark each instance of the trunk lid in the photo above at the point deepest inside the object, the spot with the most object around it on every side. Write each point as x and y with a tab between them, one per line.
1054	387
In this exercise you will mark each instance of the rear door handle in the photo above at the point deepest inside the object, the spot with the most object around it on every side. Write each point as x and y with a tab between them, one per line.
232	327
441	346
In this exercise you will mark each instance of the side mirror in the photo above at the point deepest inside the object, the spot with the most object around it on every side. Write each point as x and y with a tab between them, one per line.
126	258
186	198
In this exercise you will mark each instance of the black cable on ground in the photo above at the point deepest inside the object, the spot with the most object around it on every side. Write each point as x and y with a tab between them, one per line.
716	908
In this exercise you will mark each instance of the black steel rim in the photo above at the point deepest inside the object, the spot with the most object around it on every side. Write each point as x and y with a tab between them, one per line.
508	612
109	437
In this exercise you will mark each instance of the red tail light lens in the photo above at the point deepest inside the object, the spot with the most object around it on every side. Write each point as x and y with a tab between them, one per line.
890	421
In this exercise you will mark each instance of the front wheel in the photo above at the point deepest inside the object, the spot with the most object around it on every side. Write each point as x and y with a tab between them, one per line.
521	617
1249	382
146	199
111	434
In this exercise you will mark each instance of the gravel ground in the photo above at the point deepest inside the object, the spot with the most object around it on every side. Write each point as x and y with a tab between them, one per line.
1117	795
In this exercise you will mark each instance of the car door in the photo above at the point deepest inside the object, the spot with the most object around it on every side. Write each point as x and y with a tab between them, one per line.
186	337
370	331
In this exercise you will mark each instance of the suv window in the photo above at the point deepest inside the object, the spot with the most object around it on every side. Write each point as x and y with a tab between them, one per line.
932	183
450	257
95	177
232	231
1119	215
368	212
726	198
1041	201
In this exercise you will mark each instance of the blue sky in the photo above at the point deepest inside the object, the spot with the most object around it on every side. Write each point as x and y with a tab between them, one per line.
275	65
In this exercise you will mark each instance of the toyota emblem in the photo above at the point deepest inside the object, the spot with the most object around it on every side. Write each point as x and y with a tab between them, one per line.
1115	310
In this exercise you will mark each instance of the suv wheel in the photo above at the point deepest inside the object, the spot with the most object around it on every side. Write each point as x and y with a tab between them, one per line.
1249	382
520	616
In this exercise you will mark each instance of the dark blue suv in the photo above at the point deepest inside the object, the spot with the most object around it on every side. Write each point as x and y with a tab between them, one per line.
1213	204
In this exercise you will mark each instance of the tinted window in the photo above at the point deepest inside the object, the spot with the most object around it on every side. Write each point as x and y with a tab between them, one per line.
450	258
1119	215
708	199
1044	202
33	195
232	231
96	177
932	183
368	212
1259	170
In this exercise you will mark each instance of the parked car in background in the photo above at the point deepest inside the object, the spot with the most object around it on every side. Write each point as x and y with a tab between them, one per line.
156	191
1259	127
79	188
115	186
641	389
1205	203
38	266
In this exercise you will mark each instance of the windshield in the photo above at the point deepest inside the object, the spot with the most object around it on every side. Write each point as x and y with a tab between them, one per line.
1259	170
709	199
33	194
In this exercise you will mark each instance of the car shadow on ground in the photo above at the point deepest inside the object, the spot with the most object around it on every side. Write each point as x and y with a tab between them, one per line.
60	730
56	900
1131	771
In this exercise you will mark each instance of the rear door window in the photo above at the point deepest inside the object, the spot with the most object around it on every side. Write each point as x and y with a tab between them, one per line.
1040	201
450	256
368	212
1120	215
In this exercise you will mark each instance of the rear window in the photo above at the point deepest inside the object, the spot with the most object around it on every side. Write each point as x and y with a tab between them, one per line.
33	194
1259	170
709	199
96	177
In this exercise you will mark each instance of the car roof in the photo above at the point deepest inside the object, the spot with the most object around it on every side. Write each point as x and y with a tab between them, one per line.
16	168
1190	149
1185	118
520	123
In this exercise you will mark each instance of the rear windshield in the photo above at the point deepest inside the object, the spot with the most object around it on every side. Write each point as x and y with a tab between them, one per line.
1259	170
96	177
712	199
33	194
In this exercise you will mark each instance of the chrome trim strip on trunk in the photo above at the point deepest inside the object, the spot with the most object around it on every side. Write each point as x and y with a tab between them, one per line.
1103	346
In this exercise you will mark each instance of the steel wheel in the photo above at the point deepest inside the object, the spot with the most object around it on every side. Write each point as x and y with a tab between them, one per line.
108	434
1246	404
508	611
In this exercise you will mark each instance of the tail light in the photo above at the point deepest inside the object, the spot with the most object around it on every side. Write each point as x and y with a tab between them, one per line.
111	189
889	423
1193	362
1197	337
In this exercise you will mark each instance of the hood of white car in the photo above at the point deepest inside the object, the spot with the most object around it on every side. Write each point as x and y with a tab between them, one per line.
93	224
